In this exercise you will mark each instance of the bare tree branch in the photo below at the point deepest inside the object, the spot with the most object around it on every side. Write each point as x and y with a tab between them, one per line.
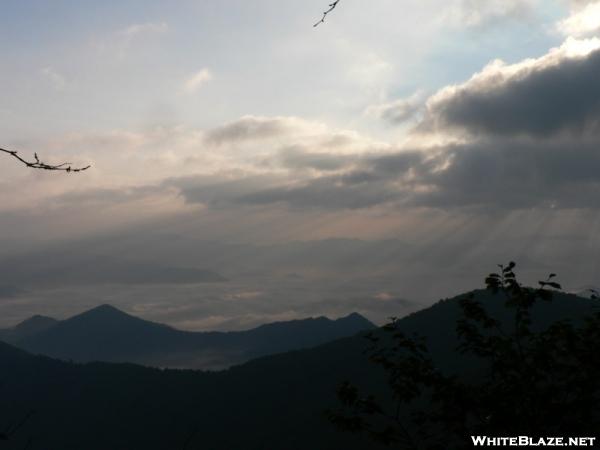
38	164
332	6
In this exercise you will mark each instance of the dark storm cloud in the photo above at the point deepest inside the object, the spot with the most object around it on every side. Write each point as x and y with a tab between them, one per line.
541	100
515	174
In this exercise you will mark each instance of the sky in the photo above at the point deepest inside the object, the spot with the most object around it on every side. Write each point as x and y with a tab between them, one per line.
248	167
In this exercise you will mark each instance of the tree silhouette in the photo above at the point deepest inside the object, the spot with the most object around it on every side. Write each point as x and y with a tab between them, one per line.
36	163
523	382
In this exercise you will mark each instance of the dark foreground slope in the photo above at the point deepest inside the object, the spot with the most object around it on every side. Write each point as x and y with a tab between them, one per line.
276	402
109	335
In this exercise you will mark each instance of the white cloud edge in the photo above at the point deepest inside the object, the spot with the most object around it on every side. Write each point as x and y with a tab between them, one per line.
200	78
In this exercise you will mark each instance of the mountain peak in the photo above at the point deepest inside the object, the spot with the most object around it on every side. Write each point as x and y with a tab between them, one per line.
354	315
106	308
106	311
103	315
358	319
29	327
36	319
34	324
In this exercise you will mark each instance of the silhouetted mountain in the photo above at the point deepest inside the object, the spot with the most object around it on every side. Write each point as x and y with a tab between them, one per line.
274	402
29	327
110	335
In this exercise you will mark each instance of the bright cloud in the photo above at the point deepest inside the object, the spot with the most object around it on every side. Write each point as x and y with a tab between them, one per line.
478	13
582	22
399	111
143	28
57	80
197	80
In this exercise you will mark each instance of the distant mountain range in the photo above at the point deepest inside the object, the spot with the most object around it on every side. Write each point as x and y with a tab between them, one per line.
274	402
109	335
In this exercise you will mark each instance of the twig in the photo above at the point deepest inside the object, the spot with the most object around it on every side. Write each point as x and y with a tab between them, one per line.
38	164
5	436
189	439
28	444
332	6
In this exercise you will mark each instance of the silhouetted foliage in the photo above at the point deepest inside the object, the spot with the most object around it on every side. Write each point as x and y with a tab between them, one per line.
521	380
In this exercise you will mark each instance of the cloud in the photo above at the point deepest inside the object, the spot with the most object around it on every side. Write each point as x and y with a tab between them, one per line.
529	134
119	43
399	111
488	175
153	170
324	193
219	191
10	291
538	97
66	268
583	21
197	80
57	80
479	13
512	137
145	28
332	182
514	174
250	128
301	158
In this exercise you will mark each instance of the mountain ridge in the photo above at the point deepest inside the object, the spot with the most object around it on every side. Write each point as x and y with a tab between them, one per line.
106	333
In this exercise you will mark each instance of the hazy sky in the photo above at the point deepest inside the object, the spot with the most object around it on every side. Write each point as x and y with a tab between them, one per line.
383	160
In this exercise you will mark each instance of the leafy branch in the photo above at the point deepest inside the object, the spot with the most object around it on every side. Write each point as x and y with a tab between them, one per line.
37	163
